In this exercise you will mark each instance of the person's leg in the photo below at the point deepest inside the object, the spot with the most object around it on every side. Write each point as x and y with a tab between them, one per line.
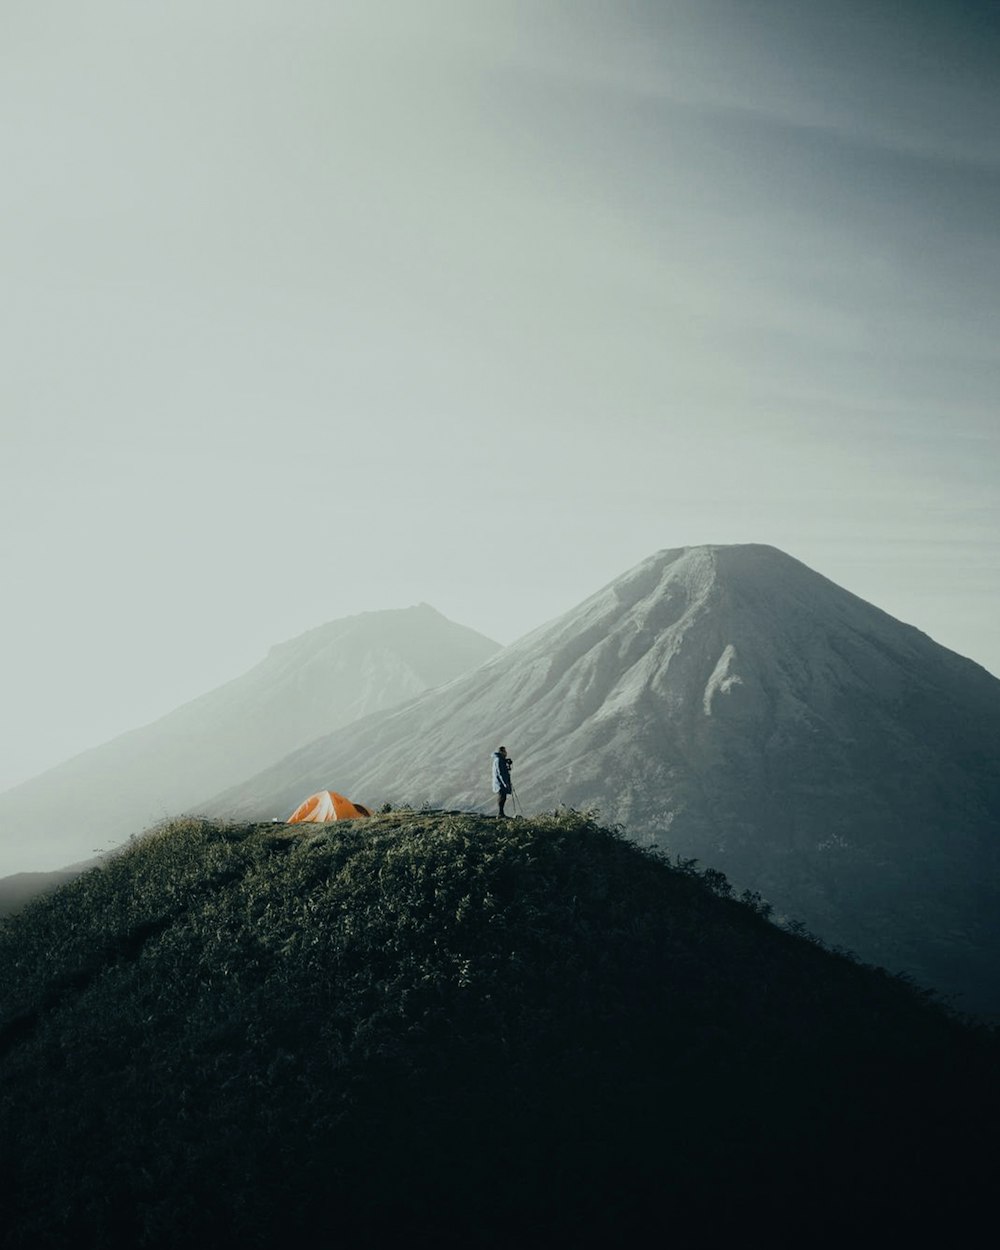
501	800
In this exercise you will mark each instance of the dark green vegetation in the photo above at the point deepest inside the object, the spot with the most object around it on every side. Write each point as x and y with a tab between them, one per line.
430	1029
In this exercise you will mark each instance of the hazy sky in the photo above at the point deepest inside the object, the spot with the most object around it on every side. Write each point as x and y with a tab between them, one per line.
313	307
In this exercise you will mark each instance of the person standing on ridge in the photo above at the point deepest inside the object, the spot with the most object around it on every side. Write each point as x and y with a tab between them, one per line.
502	764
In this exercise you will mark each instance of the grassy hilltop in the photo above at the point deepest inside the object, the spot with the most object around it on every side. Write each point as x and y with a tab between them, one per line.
429	1029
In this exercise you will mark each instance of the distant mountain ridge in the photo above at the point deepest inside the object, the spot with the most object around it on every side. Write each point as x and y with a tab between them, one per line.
310	685
731	704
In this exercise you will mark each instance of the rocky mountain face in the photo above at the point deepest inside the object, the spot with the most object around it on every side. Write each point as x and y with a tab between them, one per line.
308	686
729	704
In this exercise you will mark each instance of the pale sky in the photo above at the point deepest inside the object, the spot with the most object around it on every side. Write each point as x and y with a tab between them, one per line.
313	307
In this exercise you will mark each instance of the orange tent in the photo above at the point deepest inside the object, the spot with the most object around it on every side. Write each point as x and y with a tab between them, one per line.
327	805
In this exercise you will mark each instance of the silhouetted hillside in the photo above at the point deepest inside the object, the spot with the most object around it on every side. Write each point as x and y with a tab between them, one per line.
436	1029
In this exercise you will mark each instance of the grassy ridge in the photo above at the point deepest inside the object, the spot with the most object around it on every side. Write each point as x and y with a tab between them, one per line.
471	1030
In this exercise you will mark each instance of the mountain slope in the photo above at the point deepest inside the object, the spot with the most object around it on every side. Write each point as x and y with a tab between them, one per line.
305	687
438	1030
21	887
731	704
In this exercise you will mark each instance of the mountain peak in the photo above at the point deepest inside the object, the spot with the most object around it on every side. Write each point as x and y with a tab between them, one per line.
703	567
729	703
